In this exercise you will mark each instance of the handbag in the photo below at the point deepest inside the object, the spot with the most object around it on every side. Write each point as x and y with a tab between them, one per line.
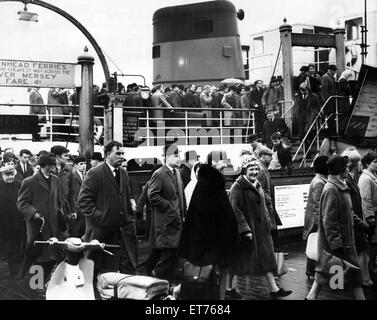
326	262
200	282
312	246
281	268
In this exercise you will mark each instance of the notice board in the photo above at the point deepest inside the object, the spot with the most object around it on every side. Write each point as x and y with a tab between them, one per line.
290	204
20	73
130	127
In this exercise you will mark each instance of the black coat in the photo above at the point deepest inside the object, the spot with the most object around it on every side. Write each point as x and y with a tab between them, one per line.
271	127
344	89
29	171
168	208
210	232
185	174
107	205
361	240
12	224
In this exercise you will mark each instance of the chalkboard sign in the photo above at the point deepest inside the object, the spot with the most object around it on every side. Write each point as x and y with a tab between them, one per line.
130	128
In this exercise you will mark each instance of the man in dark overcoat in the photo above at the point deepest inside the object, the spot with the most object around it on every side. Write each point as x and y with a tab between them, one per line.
38	202
272	125
76	223
105	202
24	167
166	195
12	225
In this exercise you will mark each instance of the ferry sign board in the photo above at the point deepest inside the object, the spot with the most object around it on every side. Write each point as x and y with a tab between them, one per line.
19	73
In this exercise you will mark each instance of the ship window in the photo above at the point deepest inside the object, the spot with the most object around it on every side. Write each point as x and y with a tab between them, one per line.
203	27
307	31
156	52
258	44
353	29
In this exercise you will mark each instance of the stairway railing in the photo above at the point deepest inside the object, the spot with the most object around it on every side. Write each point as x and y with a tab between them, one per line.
318	130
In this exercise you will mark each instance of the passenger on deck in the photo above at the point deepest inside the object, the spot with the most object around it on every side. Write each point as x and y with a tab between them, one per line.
159	101
273	124
255	145
189	100
206	103
282	158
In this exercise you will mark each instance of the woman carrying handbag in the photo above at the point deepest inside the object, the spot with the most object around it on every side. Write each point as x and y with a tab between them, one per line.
312	208
336	240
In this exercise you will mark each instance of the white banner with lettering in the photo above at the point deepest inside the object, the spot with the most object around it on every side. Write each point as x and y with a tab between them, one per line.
17	73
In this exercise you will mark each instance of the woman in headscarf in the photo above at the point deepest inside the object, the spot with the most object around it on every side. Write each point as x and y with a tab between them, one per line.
255	253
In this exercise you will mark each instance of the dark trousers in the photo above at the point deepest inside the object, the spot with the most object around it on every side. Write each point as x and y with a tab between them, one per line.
48	268
164	262
310	267
275	240
120	261
372	252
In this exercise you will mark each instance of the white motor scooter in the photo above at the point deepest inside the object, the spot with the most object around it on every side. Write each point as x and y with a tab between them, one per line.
73	278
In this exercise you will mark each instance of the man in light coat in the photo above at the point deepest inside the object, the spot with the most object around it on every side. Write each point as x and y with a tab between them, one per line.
368	191
206	103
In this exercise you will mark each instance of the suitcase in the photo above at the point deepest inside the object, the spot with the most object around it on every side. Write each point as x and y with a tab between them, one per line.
114	285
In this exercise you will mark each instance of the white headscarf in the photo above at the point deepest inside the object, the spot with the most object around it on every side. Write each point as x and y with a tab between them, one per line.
189	190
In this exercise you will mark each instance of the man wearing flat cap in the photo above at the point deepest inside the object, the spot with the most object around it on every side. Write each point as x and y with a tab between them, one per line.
328	90
105	201
264	178
12	225
38	202
168	204
304	73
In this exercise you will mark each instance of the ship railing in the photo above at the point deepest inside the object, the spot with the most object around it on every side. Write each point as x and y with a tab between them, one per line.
222	126
52	124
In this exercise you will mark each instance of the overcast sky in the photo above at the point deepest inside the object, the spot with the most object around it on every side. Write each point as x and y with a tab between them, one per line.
123	29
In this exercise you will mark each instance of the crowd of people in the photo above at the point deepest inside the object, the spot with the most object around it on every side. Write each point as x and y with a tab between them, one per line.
192	217
341	208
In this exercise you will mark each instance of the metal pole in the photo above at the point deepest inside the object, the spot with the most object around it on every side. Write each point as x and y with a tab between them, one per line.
86	106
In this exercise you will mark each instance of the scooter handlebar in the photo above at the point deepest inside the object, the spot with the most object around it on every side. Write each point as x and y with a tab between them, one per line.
76	245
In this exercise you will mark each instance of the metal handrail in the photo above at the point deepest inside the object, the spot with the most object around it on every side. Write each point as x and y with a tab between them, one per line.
314	122
290	108
315	138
